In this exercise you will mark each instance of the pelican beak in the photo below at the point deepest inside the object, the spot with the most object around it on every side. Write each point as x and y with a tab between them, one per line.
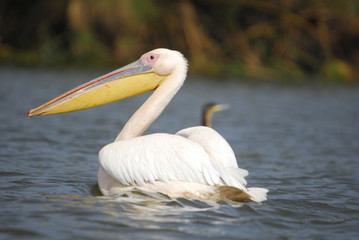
128	81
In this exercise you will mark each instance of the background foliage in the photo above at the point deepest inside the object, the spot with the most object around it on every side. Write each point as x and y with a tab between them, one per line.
286	39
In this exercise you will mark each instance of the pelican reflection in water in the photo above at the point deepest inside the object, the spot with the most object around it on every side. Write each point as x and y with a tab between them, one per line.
195	162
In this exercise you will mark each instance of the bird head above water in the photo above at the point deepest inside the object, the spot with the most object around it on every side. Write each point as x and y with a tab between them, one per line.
209	109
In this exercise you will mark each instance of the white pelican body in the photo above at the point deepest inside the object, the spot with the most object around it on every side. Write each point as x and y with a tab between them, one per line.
196	162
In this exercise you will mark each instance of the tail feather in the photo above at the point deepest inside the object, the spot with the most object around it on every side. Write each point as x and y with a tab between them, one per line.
258	194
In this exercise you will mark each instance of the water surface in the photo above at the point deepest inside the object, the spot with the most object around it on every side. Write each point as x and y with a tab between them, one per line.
299	141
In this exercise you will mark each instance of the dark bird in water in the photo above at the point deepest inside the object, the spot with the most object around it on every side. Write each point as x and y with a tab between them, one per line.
208	110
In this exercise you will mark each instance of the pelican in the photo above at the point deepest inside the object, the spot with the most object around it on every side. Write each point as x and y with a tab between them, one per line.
208	110
196	162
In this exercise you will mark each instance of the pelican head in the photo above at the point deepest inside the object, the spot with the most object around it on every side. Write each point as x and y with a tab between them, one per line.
143	75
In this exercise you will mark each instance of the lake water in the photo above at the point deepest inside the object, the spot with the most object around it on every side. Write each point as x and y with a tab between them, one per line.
299	141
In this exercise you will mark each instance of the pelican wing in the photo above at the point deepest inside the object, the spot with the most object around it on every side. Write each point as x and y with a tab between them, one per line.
213	143
220	152
162	157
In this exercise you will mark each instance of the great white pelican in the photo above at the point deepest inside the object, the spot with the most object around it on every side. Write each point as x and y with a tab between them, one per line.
196	162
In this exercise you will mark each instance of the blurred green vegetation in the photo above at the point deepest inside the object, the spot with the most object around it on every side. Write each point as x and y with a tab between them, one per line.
275	39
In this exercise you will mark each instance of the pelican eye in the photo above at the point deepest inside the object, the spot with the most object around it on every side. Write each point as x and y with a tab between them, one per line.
150	58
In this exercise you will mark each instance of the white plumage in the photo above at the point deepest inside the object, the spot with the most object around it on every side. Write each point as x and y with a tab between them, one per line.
185	164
